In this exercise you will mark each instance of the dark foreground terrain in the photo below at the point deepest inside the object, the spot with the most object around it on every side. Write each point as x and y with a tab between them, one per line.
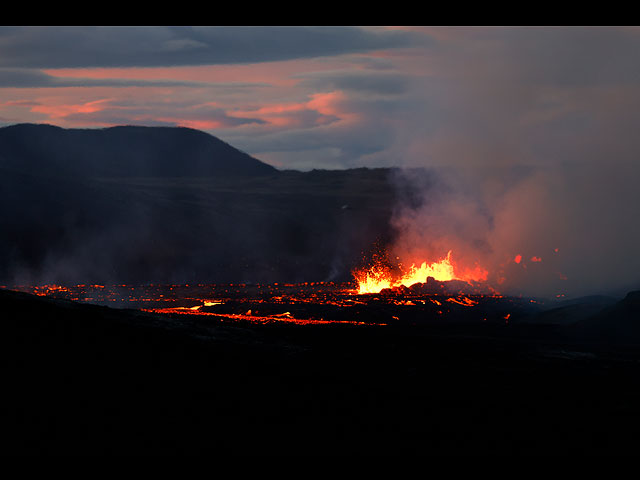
92	380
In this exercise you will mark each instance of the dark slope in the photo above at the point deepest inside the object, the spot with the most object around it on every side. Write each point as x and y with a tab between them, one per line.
42	217
122	152
175	205
295	227
286	227
572	311
82	379
617	324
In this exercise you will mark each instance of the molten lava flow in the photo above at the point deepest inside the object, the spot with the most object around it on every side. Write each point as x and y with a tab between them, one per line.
378	277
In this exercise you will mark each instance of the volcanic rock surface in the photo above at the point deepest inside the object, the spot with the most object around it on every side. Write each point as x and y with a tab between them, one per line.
86	379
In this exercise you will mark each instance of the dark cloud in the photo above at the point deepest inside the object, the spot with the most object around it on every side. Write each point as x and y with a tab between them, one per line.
71	47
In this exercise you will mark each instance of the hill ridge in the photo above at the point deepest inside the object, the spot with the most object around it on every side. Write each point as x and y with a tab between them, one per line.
122	151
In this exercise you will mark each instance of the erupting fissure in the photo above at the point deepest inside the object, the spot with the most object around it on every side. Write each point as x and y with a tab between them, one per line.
378	277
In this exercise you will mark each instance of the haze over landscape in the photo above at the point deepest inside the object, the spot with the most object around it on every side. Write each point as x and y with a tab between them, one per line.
527	132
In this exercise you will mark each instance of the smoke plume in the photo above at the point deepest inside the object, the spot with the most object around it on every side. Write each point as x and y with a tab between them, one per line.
566	230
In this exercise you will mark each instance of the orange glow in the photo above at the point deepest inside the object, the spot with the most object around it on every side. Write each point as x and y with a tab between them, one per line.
536	259
518	258
378	277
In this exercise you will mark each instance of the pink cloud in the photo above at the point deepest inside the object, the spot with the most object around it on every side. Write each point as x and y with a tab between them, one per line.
19	103
64	110
321	109
280	74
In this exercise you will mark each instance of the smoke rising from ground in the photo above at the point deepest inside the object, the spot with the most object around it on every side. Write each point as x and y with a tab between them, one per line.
574	226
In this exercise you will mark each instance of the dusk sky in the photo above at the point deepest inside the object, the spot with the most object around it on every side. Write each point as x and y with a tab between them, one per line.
341	97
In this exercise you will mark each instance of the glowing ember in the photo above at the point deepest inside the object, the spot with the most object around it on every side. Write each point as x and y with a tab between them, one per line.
378	277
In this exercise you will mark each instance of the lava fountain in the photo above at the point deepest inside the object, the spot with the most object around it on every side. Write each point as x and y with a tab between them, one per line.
378	277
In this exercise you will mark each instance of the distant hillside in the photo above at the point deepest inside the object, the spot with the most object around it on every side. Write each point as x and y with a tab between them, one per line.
174	205
125	151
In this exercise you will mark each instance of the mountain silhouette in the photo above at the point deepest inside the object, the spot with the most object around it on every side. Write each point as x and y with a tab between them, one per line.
124	151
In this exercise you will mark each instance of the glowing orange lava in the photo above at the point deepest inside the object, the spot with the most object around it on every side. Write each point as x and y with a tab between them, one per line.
378	277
